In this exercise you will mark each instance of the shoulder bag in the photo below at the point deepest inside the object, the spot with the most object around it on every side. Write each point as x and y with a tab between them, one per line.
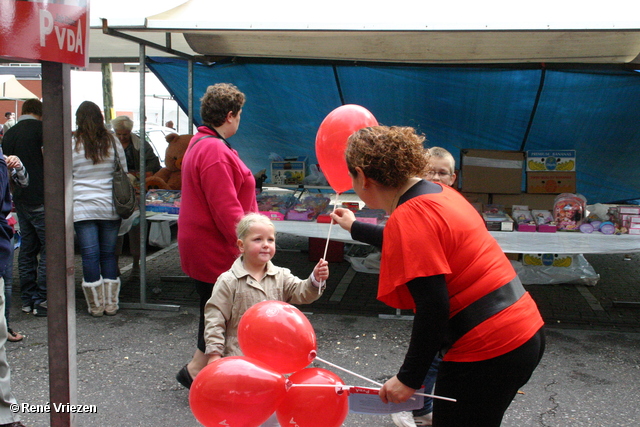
124	194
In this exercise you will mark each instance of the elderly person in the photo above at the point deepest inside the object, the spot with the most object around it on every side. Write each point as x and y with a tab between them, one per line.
217	190
439	260
122	126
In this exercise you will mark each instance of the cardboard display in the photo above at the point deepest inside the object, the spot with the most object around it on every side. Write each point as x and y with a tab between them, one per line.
491	171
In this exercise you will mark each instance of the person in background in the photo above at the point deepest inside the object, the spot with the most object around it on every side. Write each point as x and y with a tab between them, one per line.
441	167
94	216
439	260
20	178
169	124
253	278
10	120
122	126
24	140
217	190
8	402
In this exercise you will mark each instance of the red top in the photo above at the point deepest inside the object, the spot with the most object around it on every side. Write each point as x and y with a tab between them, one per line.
217	190
442	233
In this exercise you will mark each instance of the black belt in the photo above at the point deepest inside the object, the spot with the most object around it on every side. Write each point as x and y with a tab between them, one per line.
482	309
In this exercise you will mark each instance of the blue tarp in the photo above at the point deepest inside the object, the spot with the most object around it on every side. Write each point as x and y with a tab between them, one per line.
596	113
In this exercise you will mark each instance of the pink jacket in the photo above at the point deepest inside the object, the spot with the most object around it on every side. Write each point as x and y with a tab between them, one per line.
217	190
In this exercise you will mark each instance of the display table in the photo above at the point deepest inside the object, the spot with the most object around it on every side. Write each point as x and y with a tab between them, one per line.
510	242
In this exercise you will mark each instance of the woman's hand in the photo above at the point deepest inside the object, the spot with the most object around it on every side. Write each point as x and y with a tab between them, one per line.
13	162
344	218
395	392
321	271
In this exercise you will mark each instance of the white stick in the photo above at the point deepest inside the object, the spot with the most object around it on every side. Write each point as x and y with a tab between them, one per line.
344	387
326	246
349	372
379	384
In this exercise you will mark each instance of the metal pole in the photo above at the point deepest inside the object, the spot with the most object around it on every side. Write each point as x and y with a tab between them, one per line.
190	89
58	202
143	209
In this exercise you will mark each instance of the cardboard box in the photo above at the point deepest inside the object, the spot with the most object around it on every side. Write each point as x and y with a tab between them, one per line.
498	222
491	171
534	201
551	160
289	172
551	182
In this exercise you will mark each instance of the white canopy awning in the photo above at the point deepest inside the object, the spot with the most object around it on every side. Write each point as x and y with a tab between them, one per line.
12	89
403	31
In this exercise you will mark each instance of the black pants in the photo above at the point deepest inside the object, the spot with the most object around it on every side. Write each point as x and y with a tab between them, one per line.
484	390
204	290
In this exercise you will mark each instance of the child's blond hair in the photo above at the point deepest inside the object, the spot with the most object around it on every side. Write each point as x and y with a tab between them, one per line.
247	221
443	154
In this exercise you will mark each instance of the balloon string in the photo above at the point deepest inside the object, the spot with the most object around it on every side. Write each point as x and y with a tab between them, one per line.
434	396
326	246
349	372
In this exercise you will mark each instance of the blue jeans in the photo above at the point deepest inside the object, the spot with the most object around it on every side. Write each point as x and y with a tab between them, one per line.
32	269
429	382
97	241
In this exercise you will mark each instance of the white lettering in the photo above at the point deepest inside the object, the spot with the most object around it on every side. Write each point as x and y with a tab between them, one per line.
79	38
60	36
46	25
71	41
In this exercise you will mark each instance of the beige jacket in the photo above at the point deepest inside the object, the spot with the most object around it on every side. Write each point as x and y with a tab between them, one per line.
236	291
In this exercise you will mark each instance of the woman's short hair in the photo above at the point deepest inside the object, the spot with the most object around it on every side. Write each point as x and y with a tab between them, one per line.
122	123
218	100
247	221
389	155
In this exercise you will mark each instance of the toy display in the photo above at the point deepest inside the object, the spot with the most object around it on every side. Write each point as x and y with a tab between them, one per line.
170	176
544	221
569	211
524	220
163	201
308	209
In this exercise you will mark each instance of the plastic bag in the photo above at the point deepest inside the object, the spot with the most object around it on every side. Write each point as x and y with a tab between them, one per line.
549	269
160	234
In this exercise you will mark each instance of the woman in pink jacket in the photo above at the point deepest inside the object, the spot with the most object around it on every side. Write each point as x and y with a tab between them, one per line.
217	190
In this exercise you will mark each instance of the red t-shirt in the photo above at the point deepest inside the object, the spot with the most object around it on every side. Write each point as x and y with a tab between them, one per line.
442	233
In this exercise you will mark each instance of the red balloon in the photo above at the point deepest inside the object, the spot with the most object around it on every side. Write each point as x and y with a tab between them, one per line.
331	142
236	392
278	334
314	406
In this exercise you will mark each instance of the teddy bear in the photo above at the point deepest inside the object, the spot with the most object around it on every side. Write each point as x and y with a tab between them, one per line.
170	176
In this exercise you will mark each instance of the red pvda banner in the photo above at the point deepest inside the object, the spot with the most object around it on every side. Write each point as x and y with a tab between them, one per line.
46	30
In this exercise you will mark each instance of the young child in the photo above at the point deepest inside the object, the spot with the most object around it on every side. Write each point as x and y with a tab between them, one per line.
252	279
441	167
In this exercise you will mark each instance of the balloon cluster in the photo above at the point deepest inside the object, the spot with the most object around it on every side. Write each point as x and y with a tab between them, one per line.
243	391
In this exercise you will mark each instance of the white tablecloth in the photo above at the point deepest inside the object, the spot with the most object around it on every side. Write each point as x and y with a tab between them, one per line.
510	242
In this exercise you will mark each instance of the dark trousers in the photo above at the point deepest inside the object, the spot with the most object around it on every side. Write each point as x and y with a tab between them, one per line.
32	258
484	390
204	290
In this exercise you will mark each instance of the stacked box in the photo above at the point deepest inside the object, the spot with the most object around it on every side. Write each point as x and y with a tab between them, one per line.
491	171
551	171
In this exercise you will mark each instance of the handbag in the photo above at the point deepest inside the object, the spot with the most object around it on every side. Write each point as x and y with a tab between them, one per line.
124	194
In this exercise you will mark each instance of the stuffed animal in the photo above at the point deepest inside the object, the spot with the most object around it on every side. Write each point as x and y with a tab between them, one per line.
170	176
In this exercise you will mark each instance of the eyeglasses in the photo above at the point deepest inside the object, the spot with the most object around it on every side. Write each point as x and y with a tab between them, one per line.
442	174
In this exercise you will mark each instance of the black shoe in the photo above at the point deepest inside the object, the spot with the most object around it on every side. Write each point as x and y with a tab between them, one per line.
40	310
184	377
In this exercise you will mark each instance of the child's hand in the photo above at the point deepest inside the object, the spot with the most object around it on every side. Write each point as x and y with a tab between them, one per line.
321	271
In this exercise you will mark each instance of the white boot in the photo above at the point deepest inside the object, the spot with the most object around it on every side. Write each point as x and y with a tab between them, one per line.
111	293
94	294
